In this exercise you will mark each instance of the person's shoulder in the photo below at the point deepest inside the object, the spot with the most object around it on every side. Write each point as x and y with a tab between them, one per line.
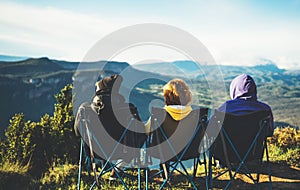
224	106
267	107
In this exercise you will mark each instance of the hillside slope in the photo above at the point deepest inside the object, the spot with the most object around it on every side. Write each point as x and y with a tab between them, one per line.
29	86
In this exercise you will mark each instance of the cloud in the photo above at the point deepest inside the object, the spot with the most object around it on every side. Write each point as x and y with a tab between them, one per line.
234	32
241	33
56	31
247	47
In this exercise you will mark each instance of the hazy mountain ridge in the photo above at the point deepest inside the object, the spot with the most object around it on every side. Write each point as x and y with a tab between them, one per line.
10	58
29	86
190	69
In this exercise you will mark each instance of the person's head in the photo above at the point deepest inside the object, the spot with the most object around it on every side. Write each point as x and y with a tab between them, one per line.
177	92
243	87
106	84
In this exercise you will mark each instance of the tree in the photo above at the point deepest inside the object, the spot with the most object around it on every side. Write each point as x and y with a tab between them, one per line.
64	143
47	142
18	146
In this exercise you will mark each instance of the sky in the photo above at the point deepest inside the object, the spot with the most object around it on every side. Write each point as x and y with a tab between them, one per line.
235	32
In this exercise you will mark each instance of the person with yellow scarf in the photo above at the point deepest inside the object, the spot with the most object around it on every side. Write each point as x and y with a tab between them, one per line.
177	98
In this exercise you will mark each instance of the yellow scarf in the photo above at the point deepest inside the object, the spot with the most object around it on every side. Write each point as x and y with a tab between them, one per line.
178	113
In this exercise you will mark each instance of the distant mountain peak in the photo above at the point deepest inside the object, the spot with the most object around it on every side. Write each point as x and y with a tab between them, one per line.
39	59
265	61
267	65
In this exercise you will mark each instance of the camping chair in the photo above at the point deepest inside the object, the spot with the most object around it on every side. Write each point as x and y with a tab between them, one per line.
104	147
240	145
175	141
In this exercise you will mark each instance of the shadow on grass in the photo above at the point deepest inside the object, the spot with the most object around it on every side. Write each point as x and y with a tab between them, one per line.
283	177
13	180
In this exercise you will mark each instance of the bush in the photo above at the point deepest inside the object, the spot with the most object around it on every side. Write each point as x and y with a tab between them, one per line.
285	146
14	176
51	140
293	156
286	138
61	176
18	146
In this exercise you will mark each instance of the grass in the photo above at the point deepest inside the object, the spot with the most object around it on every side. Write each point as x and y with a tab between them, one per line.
15	176
60	176
290	156
284	153
13	167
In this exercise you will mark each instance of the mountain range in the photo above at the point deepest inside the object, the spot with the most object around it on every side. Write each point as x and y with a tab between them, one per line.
28	85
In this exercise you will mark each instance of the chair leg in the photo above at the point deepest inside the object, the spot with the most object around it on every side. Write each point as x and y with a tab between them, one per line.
139	178
80	165
196	162
204	160
268	165
165	172
226	159
146	177
259	171
188	176
209	178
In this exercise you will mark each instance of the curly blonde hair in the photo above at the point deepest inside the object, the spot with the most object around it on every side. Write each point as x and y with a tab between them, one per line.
177	92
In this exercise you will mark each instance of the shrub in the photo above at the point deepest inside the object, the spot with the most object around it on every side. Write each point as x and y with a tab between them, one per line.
18	146
14	176
293	156
52	139
61	176
286	138
285	145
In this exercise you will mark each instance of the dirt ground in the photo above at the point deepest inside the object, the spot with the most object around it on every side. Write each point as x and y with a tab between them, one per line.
284	177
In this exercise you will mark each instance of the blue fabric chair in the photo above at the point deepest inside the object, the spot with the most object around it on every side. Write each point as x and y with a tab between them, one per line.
109	141
240	146
174	141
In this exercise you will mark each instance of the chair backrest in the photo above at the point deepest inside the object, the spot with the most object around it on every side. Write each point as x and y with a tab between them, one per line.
239	132
181	137
115	121
111	135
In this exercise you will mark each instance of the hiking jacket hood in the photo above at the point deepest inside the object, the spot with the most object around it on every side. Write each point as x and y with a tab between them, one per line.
243	87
